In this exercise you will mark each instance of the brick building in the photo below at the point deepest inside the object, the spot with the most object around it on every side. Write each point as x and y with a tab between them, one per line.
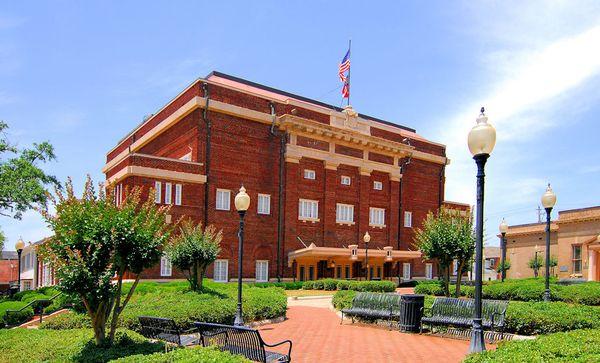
8	269
319	177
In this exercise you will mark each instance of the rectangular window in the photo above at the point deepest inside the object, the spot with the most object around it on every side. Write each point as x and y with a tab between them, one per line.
347	271
178	192
344	213
429	271
338	272
168	193
576	259
221	273
455	267
377	185
47	275
309	174
378	271
223	199
166	268
301	277
308	209
264	204
376	216
408	219
406	271
26	285
262	271
346	180
311	272
157	196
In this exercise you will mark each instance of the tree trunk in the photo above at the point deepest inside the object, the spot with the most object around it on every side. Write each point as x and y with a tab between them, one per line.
194	277
99	326
459	278
201	276
118	309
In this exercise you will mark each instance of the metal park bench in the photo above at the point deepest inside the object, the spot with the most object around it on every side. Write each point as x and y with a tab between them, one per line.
167	330
373	305
448	311
241	340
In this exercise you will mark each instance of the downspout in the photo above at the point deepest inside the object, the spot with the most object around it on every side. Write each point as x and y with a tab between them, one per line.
282	144
405	163
207	153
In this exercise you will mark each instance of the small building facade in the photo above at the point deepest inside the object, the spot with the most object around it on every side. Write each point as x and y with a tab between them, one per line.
574	242
8	269
319	178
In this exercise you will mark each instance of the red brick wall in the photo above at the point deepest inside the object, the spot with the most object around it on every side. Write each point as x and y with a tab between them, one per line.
7	273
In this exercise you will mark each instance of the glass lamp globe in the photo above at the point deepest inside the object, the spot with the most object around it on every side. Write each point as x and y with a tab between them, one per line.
367	237
482	137
549	198
19	245
242	200
503	226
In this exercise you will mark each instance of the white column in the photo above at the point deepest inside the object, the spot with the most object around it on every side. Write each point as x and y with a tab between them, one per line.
592	265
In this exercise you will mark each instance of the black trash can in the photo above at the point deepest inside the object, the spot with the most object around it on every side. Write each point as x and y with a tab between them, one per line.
411	312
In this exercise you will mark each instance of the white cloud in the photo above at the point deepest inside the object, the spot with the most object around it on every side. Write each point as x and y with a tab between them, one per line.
536	78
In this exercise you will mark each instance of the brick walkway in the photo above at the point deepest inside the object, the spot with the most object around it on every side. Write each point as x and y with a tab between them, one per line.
318	337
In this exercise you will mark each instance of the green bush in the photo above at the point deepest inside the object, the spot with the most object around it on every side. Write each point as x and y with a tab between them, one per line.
318	285
188	355
373	286
308	285
533	318
288	285
576	346
77	345
329	284
343	284
429	288
15	318
68	320
343	299
587	293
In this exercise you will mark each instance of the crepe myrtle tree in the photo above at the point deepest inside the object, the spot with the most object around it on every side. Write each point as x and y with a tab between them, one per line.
193	250
445	237
96	242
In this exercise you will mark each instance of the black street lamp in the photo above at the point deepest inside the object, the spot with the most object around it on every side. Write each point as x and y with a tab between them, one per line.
536	266
242	202
366	239
19	246
548	201
481	140
503	229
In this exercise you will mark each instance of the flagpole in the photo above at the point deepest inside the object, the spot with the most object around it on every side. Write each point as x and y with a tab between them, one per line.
349	56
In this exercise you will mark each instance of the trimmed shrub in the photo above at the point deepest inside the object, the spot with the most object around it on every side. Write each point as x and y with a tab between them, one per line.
318	285
584	293
15	318
343	299
576	346
533	318
288	285
77	345
188	355
429	288
330	284
373	286
308	285
68	320
343	284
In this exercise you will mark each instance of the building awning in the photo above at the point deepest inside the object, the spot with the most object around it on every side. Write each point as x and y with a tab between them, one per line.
325	253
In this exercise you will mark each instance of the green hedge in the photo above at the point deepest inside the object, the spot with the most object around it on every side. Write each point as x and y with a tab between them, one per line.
187	355
343	299
532	289
284	285
366	286
533	318
34	345
216	304
22	298
576	346
14	318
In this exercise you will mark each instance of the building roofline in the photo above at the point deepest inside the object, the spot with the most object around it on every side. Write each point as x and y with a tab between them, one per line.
579	209
302	98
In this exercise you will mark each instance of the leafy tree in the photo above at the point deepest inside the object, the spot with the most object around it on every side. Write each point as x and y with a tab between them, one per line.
193	250
535	263
2	240
22	181
96	242
504	267
444	237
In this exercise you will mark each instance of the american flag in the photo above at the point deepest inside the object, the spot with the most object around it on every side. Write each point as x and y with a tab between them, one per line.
344	67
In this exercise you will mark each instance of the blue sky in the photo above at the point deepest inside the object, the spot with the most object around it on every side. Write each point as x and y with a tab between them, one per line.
81	75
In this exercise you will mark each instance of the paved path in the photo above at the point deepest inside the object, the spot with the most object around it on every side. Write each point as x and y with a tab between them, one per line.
318	336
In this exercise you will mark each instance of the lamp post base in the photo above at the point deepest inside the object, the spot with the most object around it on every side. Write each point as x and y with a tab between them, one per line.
239	320
547	295
477	341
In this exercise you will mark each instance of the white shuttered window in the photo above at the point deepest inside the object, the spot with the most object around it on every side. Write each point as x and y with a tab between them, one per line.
308	209
221	271
377	216
262	271
223	199
344	213
264	204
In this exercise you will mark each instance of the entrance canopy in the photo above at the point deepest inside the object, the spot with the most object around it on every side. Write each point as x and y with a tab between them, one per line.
388	254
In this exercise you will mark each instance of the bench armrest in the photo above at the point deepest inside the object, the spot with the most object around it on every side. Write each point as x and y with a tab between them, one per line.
280	343
190	330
